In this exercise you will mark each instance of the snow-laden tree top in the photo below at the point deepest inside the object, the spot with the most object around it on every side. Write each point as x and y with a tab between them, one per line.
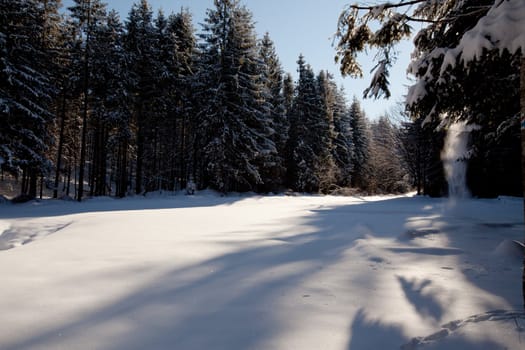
482	26
502	28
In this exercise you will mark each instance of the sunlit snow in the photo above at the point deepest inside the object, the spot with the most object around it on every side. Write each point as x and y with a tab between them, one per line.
250	272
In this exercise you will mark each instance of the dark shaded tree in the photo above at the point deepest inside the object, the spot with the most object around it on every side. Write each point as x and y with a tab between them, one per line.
343	146
235	129
273	168
26	91
140	45
361	143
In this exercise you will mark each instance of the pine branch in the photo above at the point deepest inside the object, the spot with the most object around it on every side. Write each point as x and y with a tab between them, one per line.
387	5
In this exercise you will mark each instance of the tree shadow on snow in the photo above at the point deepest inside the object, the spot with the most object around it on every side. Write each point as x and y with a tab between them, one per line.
57	207
367	334
239	300
234	301
425	304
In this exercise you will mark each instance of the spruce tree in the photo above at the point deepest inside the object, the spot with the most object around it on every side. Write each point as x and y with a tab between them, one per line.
361	142
324	136
183	97
343	151
87	15
236	131
139	42
26	91
273	168
110	124
302	148
288	95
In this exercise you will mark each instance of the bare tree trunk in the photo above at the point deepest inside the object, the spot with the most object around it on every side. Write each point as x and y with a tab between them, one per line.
522	101
80	192
60	144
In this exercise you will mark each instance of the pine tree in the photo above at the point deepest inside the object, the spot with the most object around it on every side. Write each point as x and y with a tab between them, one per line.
110	124
62	74
324	134
67	62
288	95
361	142
87	15
140	45
236	130
301	149
273	168
26	91
183	97
343	151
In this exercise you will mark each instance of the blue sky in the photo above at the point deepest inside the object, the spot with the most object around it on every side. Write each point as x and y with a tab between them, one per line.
298	26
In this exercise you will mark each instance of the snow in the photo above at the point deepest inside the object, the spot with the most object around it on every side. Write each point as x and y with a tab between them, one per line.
502	28
251	272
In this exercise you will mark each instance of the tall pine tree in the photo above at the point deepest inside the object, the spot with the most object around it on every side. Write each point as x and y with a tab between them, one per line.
140	45
87	15
301	149
361	142
236	131
343	151
273	168
26	91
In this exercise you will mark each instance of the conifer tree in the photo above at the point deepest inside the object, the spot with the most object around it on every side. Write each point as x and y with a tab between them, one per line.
140	45
111	106
288	95
361	142
64	78
343	151
87	15
236	130
26	91
324	135
302	151
184	101
273	168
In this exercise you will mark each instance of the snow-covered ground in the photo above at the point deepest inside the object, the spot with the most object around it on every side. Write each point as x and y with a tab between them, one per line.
277	272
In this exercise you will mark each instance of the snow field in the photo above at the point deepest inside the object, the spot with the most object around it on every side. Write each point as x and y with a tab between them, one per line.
307	272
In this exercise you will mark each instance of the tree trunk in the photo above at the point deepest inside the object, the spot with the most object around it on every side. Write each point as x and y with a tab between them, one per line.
60	144
140	160
522	101
33	180
122	164
84	111
140	149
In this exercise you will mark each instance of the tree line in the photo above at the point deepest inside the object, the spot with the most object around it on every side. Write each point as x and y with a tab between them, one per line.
94	106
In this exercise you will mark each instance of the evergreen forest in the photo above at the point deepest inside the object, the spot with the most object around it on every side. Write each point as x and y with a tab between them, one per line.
95	105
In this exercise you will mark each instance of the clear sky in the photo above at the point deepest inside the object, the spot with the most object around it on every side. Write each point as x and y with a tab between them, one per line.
297	26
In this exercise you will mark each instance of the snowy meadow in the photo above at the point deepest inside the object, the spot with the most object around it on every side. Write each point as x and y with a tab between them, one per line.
253	272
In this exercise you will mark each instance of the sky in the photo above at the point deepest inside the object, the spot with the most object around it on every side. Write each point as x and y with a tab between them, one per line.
299	27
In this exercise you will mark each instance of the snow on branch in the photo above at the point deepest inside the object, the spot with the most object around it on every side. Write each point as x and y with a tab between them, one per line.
502	28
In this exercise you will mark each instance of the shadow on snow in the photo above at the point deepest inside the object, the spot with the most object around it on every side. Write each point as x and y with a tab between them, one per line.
197	308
